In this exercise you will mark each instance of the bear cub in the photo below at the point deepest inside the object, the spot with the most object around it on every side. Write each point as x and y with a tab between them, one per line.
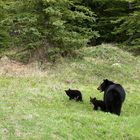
98	104
114	96
74	94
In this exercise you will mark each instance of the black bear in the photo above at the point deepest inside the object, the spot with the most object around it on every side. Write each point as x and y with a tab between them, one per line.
98	103
114	96
74	94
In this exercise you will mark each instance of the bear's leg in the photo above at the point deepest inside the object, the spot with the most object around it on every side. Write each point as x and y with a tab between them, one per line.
112	107
103	108
95	107
78	98
108	107
117	109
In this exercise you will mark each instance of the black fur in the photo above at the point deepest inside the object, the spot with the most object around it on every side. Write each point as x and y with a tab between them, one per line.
114	96
74	94
98	104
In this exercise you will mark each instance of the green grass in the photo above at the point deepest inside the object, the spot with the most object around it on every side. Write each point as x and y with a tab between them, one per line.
36	107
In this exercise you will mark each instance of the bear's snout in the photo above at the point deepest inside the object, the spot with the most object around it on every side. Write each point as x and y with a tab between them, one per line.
99	88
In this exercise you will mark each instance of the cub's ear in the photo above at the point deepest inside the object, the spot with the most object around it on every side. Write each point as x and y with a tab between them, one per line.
90	97
105	80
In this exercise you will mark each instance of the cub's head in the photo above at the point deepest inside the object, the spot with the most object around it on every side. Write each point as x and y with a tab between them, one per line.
92	100
68	91
104	85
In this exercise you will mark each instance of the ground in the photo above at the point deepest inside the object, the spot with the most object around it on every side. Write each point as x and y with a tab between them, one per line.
34	105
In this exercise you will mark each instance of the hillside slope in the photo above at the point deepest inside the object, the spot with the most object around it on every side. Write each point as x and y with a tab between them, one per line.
36	107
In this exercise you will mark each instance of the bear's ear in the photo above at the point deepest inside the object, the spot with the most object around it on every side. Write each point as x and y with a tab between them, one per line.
105	80
90	98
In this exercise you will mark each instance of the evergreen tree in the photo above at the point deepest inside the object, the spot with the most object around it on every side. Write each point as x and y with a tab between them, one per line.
70	24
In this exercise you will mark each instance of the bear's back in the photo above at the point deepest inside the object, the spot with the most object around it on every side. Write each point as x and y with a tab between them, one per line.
116	88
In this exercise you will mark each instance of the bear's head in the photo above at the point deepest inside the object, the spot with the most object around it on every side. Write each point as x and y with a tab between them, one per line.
104	85
92	100
68	91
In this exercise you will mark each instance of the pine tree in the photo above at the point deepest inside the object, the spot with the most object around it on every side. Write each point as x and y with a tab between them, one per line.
70	24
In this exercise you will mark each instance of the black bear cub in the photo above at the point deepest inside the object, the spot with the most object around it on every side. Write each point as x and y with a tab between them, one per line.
74	94
98	104
114	96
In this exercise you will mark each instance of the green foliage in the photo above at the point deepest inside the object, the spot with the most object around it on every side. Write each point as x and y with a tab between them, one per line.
118	21
21	23
70	24
66	24
130	25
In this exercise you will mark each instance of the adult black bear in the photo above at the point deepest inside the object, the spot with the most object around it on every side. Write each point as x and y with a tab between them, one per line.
114	96
74	94
98	103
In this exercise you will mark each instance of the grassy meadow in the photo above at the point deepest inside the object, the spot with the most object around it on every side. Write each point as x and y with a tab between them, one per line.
36	108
